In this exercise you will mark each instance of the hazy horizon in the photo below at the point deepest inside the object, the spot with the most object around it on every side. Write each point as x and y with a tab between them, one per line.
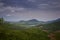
29	20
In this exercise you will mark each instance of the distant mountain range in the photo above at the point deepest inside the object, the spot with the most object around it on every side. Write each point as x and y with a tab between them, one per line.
31	22
57	20
53	25
36	22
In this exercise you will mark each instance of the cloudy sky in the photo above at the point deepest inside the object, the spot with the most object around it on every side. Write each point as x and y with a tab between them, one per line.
43	10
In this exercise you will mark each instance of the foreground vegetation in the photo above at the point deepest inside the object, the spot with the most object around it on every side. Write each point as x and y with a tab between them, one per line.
9	32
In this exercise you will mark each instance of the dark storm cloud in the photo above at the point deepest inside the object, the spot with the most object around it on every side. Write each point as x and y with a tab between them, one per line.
19	3
34	4
29	9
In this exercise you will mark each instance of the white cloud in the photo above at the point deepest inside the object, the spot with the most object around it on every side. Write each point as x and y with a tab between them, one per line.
48	6
13	9
43	6
32	0
10	9
8	15
1	4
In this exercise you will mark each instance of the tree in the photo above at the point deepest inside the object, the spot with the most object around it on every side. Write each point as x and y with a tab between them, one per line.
1	21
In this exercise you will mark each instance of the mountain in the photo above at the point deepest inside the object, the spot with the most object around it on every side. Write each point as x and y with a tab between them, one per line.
53	25
31	22
57	20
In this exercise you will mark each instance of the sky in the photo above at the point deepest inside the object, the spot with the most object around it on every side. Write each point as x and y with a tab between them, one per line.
43	10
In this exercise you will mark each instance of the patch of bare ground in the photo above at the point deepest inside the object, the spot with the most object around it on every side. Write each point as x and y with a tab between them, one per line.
52	36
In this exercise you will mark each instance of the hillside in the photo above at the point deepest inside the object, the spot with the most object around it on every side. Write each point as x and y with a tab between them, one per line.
51	25
9	31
